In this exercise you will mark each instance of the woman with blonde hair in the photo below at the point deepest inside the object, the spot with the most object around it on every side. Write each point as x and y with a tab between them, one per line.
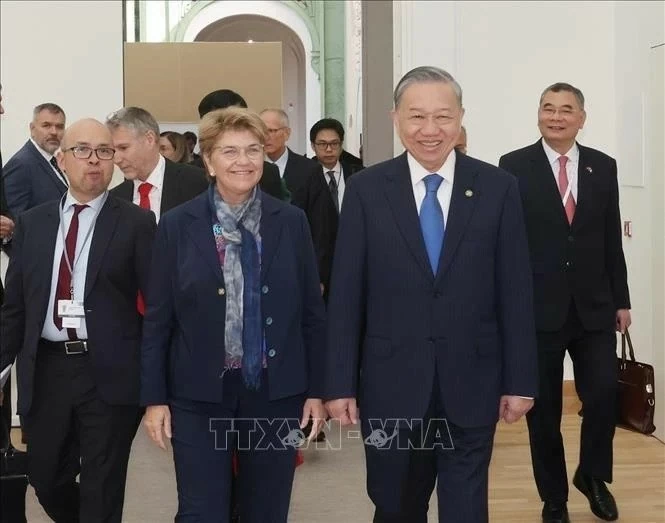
233	333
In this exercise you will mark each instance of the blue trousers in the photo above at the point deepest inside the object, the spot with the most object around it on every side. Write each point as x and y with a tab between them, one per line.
205	436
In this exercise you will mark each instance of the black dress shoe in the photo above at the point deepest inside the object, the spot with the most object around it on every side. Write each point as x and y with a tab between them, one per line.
555	513
600	498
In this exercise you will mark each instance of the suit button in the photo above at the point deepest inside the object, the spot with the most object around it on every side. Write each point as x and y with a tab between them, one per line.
271	353
571	239
568	264
221	291
265	289
268	320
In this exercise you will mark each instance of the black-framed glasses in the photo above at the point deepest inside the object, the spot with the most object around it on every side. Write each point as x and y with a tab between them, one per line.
83	152
331	145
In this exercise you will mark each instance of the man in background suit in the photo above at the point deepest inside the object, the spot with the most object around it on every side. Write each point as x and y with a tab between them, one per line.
6	231
432	291
32	175
308	188
70	317
151	181
327	141
294	169
270	181
571	204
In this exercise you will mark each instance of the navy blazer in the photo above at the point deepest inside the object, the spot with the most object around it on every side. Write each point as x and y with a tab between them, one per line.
118	265
583	261
30	180
393	325
183	339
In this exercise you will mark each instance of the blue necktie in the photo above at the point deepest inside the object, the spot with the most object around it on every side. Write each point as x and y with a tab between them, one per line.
431	220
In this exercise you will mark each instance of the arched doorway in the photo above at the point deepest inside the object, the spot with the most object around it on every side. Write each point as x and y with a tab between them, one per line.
253	28
205	13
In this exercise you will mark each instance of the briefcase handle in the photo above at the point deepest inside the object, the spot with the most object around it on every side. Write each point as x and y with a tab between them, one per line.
626	336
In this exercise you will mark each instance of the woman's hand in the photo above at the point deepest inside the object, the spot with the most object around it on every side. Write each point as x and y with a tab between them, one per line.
157	418
313	409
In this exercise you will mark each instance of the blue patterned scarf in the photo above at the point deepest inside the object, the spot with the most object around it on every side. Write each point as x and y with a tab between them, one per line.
243	335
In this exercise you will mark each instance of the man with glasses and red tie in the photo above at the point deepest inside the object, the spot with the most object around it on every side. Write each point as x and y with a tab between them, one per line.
70	321
151	181
570	197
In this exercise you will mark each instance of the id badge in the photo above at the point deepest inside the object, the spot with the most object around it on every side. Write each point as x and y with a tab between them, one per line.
71	308
71	322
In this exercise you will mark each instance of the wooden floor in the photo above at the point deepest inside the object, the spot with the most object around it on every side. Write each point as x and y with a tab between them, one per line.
330	486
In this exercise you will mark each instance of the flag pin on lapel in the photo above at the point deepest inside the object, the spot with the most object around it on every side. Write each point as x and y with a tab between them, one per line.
468	193
589	170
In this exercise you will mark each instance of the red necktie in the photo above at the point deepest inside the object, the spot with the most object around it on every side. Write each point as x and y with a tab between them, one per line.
63	289
144	191
144	203
563	187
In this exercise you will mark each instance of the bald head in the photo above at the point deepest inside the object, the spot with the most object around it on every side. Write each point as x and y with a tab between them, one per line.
88	177
86	126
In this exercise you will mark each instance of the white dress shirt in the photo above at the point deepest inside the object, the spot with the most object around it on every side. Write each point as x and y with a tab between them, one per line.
48	157
86	216
339	178
281	161
571	165
156	179
445	191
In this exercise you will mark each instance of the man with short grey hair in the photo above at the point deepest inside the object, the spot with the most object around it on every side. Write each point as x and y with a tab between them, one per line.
32	176
430	318
151	181
570	195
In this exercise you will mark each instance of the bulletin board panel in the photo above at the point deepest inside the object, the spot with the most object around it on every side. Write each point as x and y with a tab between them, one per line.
170	79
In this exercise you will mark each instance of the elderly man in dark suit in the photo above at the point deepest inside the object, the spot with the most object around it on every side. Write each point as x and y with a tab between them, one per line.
151	181
32	175
430	316
70	317
308	188
571	204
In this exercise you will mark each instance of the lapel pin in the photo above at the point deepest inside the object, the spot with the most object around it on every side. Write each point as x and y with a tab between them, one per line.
589	170
468	193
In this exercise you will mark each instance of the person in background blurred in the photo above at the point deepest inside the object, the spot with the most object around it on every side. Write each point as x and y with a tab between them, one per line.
460	144
191	139
173	146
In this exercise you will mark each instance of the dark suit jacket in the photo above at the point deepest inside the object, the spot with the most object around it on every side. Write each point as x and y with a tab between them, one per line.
351	159
183	341
118	266
326	220
30	180
297	172
182	182
583	261
270	182
393	326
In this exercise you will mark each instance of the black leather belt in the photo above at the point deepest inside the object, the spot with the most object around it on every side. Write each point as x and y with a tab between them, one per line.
70	348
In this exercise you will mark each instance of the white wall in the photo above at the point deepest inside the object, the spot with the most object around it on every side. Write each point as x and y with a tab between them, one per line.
505	53
67	52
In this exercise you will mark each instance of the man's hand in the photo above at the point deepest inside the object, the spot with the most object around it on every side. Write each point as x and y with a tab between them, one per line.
6	227
157	418
623	320
345	410
512	408
313	409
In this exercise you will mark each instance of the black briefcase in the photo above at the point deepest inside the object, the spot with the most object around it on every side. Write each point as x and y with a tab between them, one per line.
13	479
